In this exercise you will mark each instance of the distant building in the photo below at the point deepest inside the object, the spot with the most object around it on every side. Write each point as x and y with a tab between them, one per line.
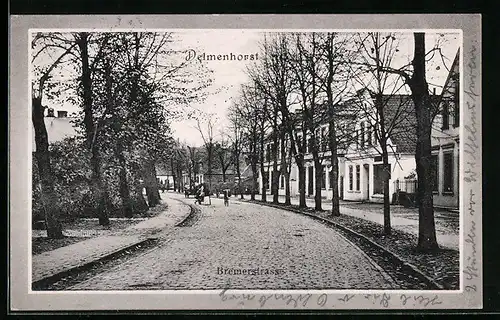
164	177
58	128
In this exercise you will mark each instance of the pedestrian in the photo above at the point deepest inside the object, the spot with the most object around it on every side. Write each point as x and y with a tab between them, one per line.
226	197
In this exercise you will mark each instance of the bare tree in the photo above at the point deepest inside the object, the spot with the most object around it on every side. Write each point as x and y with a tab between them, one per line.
248	116
391	113
237	128
194	164
306	66
274	79
224	154
424	111
208	141
334	83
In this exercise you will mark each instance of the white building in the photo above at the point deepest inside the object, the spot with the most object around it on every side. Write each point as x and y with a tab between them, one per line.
364	164
345	118
446	141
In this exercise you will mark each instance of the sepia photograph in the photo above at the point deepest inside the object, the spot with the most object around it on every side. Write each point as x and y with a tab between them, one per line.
249	162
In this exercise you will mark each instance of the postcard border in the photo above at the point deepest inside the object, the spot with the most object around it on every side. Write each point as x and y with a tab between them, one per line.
23	299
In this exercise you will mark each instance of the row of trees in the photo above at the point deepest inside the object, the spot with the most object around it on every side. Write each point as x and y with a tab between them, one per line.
128	86
219	154
301	82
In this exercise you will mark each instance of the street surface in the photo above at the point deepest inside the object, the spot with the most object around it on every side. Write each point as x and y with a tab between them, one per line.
245	246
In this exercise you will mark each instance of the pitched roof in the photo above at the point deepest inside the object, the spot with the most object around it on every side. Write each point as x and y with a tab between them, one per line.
400	118
57	129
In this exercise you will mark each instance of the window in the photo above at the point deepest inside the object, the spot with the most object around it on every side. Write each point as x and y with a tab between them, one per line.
268	153
356	137
456	105
369	135
299	142
448	172
362	134
375	135
323	177
331	178
446	116
435	172
309	145
350	178
378	178
282	181
324	140
358	177
266	180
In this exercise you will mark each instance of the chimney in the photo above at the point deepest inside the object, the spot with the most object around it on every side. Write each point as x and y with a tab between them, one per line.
50	112
62	114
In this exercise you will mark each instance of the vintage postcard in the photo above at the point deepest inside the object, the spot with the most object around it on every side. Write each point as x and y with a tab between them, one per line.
305	162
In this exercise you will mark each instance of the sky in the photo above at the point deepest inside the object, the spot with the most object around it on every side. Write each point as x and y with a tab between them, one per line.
228	76
231	74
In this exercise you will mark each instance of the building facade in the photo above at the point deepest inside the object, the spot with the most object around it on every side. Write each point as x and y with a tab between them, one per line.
361	170
364	163
446	142
344	120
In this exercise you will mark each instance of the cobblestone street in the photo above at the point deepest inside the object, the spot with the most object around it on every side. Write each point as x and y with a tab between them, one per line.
272	248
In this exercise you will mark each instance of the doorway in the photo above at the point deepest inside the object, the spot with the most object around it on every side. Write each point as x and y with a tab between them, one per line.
341	191
367	184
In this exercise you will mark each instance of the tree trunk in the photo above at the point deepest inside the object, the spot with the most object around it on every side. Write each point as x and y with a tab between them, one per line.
318	174
263	175
334	160
97	186
238	172
262	168
420	95
387	172
139	204
91	133
150	183
253	165
223	174
124	187
42	156
255	182
287	189
285	171
335	187
275	177
332	130
174	175
302	184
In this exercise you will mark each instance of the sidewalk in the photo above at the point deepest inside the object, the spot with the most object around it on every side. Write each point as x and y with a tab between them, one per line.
403	219
78	254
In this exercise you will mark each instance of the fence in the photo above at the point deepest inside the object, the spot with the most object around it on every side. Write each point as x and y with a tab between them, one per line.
405	192
408	186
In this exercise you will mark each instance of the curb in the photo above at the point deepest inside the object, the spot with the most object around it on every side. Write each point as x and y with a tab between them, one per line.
420	274
187	216
191	217
41	283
